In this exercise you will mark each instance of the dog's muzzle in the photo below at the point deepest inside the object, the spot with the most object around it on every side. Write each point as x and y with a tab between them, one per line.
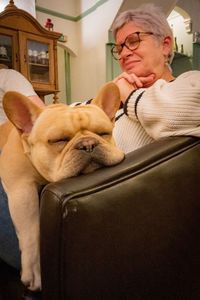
87	144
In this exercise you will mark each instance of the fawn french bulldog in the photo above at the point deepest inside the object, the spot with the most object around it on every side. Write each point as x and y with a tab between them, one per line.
41	145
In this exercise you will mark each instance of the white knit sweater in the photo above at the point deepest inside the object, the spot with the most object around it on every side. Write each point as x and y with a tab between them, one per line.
164	109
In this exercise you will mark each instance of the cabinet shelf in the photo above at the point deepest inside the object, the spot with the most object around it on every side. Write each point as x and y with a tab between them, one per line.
7	62
39	65
4	59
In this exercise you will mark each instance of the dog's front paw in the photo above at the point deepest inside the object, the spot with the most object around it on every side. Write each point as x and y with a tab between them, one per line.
31	277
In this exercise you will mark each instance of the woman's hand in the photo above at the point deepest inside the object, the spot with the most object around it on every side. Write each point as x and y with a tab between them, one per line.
130	82
125	88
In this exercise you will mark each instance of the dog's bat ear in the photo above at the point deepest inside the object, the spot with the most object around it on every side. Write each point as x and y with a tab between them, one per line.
20	111
108	99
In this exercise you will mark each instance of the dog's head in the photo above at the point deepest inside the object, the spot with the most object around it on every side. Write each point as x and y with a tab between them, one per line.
63	141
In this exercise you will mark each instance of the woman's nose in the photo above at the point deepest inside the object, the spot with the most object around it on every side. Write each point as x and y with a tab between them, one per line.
125	52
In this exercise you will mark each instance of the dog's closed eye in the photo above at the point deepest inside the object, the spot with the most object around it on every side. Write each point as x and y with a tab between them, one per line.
59	140
105	135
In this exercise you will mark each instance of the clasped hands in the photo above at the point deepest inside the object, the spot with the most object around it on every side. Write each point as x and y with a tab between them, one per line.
130	82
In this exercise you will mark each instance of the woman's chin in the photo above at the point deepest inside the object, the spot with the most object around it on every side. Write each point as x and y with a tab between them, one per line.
136	69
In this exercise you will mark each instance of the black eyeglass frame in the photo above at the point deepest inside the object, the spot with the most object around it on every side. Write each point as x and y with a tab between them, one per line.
124	43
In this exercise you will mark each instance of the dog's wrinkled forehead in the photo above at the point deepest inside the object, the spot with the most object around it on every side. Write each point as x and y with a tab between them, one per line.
58	117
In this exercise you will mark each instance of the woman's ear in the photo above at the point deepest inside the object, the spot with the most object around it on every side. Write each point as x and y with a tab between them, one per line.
167	46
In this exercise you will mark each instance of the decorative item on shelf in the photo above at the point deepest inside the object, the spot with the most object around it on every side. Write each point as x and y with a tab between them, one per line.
3	52
49	25
196	37
62	38
42	58
182	50
30	55
47	57
188	25
175	44
35	56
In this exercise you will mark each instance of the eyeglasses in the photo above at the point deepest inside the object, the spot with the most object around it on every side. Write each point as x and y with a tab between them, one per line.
131	42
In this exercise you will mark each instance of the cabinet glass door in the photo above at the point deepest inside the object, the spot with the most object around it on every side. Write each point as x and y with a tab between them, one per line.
8	48
38	61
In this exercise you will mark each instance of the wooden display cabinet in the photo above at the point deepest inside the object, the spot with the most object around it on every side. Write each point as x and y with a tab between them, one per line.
30	49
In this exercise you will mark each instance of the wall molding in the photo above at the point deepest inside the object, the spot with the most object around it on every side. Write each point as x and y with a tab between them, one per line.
71	18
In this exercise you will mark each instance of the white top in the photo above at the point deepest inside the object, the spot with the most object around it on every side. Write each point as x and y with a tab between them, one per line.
11	80
164	109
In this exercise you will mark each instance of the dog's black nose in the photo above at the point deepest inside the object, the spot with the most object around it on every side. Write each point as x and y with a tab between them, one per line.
87	144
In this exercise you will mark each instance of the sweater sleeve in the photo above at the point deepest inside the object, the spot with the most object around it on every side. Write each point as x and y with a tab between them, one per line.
169	108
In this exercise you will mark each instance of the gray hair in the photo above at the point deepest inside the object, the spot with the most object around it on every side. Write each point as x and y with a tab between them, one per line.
151	18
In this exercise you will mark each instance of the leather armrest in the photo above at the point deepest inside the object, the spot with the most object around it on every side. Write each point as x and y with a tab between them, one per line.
126	232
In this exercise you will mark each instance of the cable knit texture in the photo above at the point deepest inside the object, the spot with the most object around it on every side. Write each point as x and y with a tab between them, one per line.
128	133
169	108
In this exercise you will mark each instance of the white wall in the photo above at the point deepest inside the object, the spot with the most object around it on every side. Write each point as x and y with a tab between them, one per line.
88	69
64	26
83	5
68	7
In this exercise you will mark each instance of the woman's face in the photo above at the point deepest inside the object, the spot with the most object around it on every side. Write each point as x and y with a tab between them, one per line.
148	58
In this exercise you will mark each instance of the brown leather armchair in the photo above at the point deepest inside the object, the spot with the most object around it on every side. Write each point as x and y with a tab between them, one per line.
131	231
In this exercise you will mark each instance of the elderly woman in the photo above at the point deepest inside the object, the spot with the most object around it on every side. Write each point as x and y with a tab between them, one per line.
155	103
